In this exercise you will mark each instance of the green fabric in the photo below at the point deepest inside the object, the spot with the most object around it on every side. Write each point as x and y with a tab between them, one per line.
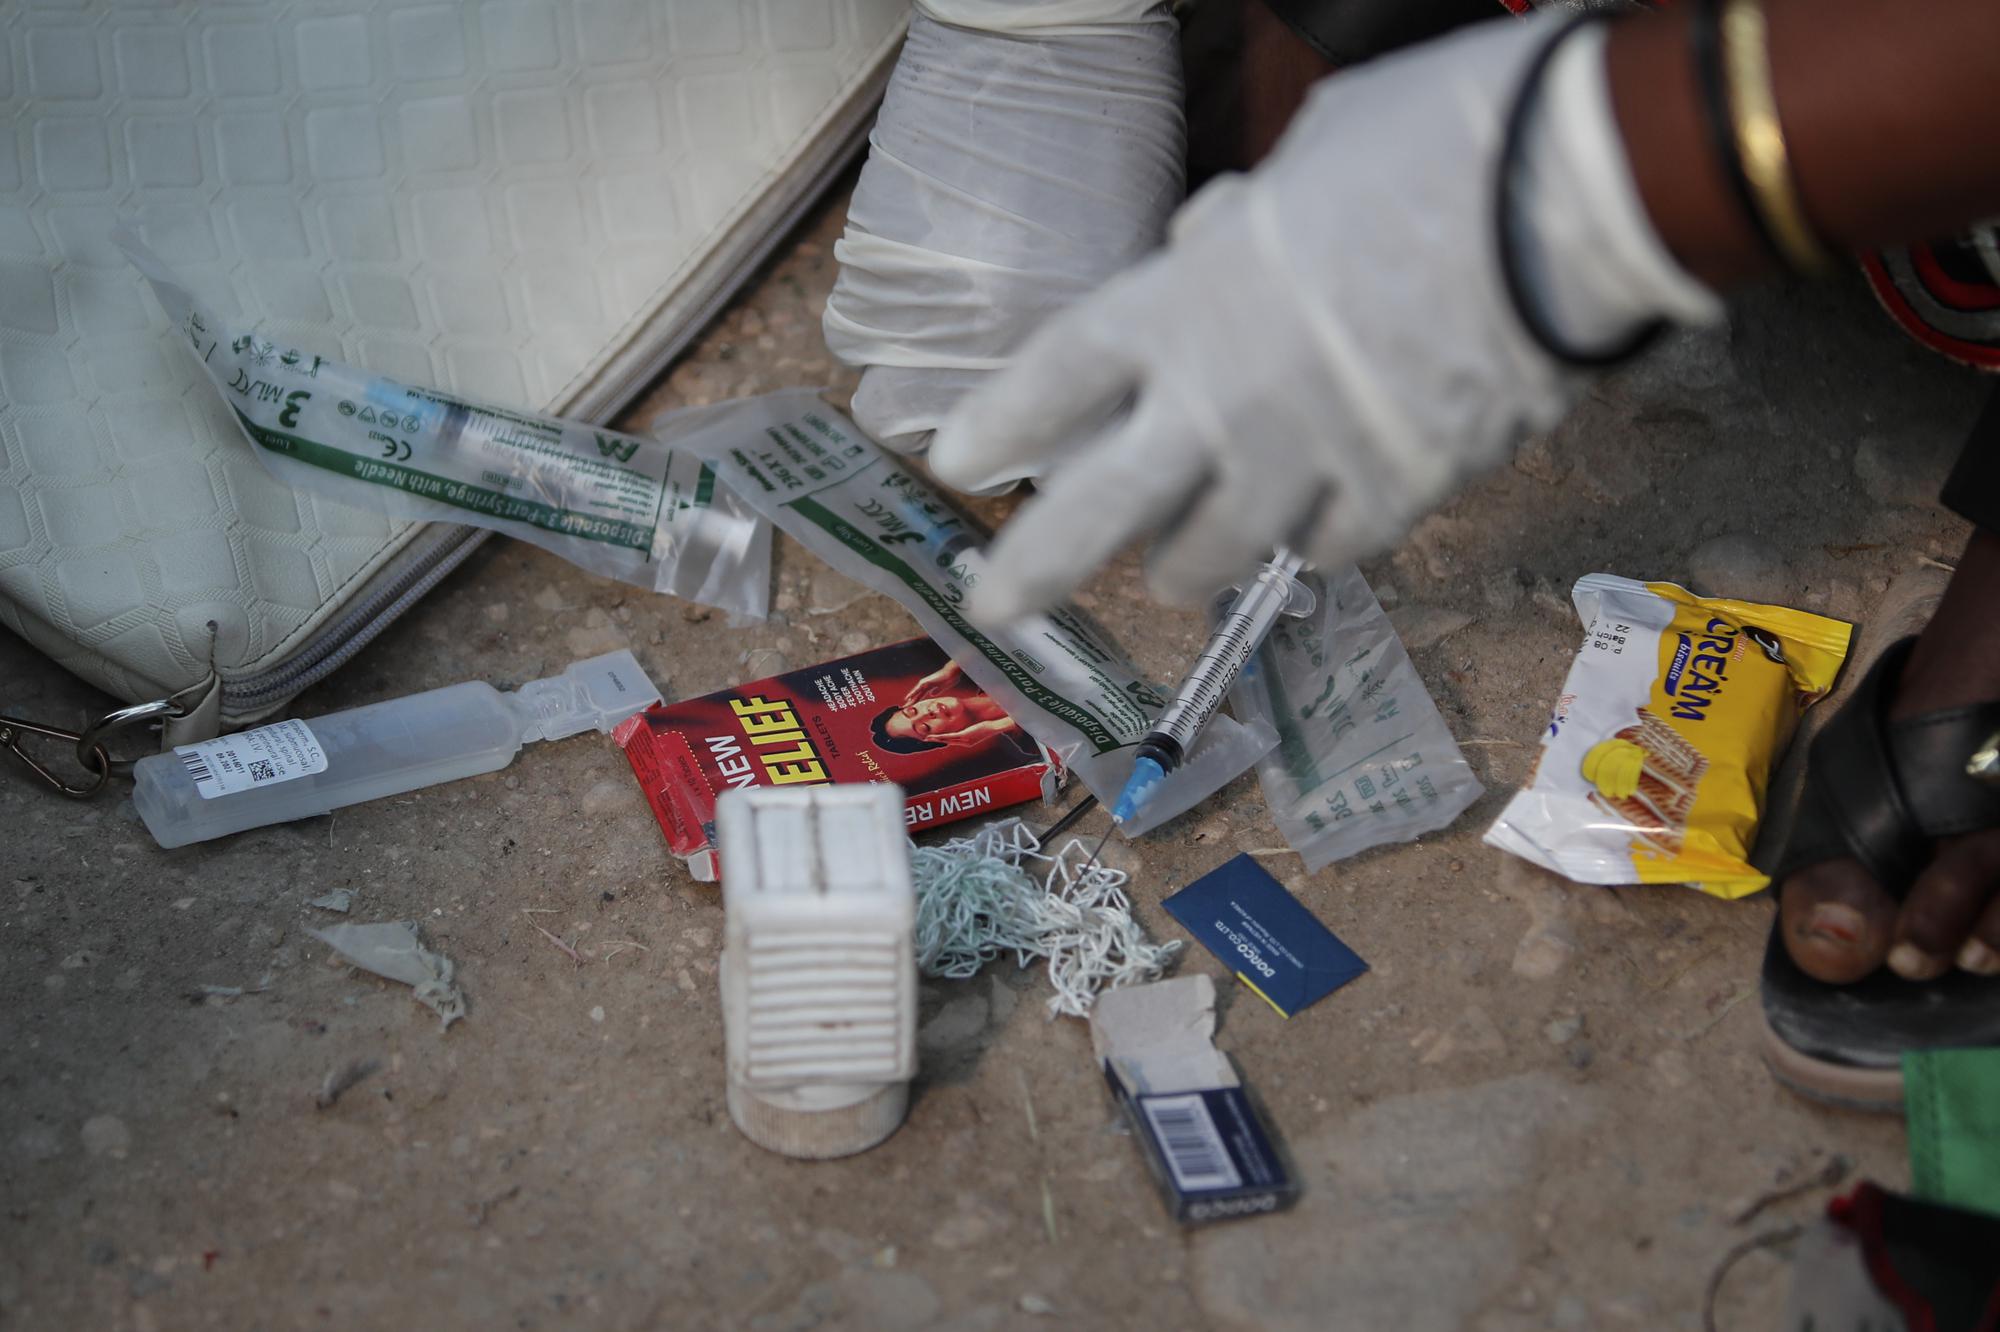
1951	1101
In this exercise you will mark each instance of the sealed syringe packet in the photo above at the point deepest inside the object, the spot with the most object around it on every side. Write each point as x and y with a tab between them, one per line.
814	474
638	510
1363	756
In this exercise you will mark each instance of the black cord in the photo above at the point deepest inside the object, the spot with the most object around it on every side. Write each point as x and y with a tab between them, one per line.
1705	41
1063	824
1533	318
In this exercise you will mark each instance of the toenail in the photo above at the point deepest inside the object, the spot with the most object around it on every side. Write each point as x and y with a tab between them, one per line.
1831	920
1913	963
1976	957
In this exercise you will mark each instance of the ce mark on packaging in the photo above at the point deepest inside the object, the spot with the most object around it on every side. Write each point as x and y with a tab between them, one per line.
393	449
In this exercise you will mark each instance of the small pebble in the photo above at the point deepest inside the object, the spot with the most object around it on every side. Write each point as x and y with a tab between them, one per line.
1741	566
1502	590
1539	458
958	1023
597	1013
106	1135
1423	627
760	662
1906	473
609	797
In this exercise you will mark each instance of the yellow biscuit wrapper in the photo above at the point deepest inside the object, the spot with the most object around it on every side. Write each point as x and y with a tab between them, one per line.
1654	765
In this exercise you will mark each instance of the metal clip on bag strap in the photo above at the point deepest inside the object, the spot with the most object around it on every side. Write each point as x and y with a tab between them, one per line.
95	760
91	755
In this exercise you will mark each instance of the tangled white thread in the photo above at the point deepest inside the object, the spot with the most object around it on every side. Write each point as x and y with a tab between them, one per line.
977	899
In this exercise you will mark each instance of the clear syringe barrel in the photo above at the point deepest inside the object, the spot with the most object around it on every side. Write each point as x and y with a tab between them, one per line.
1238	632
378	750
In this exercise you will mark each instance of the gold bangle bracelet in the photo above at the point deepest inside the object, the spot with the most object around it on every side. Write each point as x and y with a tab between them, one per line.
1760	137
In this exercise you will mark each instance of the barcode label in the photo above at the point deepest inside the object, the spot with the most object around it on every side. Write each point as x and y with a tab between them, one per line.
197	768
263	757
1189	1141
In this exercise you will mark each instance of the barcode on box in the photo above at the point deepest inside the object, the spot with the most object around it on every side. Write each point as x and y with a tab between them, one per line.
1191	1145
197	767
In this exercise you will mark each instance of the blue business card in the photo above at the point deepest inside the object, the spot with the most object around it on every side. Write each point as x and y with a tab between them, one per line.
1277	947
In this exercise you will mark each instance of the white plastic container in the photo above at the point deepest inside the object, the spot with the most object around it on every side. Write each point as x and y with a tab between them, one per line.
296	769
819	975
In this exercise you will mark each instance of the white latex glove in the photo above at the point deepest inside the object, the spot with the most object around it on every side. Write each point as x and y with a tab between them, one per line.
1326	348
1009	173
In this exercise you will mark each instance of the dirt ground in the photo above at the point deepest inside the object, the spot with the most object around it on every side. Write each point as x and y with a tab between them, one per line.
1542	1108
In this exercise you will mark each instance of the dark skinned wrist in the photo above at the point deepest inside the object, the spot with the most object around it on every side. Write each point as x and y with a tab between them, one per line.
1886	112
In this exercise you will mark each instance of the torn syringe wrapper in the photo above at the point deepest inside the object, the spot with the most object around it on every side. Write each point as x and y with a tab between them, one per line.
639	510
1207	1147
394	950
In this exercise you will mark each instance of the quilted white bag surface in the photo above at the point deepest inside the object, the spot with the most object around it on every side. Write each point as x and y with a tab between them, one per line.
533	202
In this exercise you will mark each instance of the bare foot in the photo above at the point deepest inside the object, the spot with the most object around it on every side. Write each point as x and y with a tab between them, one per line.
1839	924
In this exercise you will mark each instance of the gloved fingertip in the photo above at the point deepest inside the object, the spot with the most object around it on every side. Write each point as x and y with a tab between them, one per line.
999	600
913	444
997	489
959	459
993	606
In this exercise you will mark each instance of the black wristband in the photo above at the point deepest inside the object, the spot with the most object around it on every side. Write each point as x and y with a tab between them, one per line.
1705	43
1540	328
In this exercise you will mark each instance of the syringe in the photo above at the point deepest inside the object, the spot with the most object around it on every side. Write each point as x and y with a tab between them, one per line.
1238	634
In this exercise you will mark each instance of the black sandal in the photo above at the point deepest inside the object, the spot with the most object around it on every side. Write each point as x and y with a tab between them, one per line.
1881	792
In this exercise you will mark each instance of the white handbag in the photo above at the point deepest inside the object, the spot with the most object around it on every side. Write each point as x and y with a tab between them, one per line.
528	203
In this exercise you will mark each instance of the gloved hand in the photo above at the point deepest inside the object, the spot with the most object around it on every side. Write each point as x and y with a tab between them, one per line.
1010	172
1326	348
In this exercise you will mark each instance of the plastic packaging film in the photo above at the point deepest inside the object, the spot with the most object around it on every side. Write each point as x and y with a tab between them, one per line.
1009	174
681	513
1363	757
629	508
1044	15
654	513
810	471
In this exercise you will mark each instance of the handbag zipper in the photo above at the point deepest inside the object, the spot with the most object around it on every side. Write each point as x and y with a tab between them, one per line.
446	546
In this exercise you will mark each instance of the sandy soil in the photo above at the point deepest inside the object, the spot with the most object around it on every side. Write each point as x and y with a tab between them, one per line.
1542	1108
